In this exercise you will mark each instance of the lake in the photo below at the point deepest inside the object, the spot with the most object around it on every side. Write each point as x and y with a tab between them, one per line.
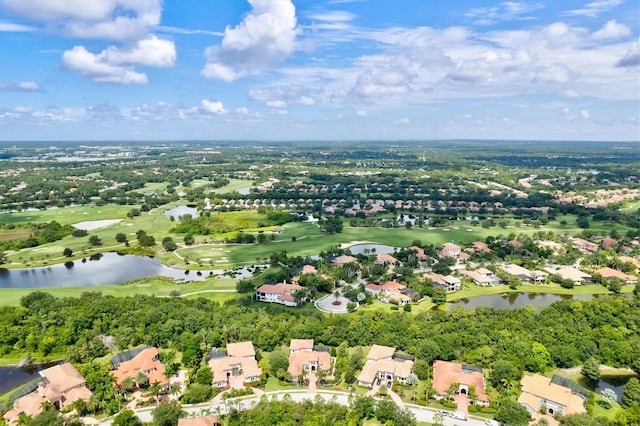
107	268
516	300
176	212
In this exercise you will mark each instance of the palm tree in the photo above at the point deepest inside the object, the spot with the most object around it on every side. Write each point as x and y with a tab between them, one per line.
154	388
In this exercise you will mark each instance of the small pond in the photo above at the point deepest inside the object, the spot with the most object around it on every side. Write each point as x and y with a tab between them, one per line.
176	212
615	383
371	249
243	191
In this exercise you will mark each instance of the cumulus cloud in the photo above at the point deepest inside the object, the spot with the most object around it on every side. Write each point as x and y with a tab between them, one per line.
266	35
276	104
612	30
212	107
584	114
242	110
26	86
306	100
362	113
403	121
116	65
631	58
110	19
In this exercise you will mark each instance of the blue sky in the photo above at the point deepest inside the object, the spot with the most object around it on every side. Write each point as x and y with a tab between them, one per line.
319	70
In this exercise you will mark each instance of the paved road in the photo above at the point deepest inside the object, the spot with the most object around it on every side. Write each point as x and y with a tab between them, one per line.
242	403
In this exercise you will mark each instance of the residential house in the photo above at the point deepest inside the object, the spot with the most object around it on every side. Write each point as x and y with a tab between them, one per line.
584	246
343	260
61	386
386	259
448	282
609	273
281	293
482	277
238	360
199	421
142	360
304	358
556	395
608	242
628	259
570	273
390	290
384	365
523	274
479	248
463	376
306	269
450	250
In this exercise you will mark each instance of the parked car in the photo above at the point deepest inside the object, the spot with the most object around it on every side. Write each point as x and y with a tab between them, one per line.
444	412
491	422
458	415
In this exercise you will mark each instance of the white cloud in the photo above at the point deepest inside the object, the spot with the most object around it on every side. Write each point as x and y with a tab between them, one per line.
213	107
403	121
242	110
116	65
506	11
94	66
306	100
595	8
276	104
362	113
570	93
266	35
584	114
9	27
631	58
27	86
611	30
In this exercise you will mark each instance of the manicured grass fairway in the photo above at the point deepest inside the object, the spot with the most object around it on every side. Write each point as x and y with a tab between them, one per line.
67	215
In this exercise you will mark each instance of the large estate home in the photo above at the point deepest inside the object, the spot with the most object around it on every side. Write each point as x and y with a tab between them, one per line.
482	277
142	361
61	386
304	358
523	274
570	273
209	420
384	365
448	282
610	273
463	376
281	293
390	291
237	360
556	395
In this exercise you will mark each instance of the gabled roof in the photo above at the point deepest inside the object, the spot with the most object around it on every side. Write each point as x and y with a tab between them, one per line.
199	421
146	361
607	272
280	288
301	358
62	377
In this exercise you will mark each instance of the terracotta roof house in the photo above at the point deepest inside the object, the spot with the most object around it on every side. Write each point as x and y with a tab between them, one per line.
609	273
584	246
281	293
608	242
420	253
570	273
448	282
143	360
390	290
450	250
386	259
482	277
447	373
304	357
557	395
383	364
199	421
61	385
238	360
628	259
344	259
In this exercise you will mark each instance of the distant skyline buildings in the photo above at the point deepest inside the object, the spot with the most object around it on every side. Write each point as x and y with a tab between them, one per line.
305	70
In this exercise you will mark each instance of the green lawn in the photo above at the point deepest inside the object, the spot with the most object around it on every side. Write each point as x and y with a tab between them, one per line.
156	286
67	215
234	185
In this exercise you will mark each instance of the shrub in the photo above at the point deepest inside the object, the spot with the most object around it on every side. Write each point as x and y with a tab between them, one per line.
473	409
488	410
